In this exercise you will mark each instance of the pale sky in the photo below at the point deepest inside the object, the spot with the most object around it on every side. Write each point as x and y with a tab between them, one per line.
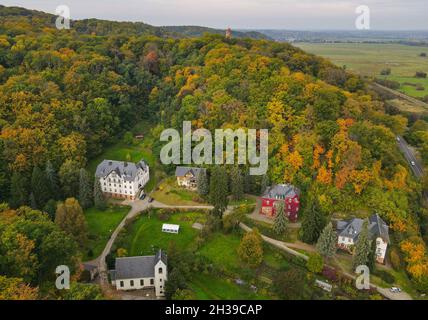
246	14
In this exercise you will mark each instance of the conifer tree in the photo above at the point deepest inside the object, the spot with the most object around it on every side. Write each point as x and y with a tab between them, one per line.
312	224
281	220
327	242
85	190
40	188
18	190
218	190
53	181
202	180
362	247
236	183
99	198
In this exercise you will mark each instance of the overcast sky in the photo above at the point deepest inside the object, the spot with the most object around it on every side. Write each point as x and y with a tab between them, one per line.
246	14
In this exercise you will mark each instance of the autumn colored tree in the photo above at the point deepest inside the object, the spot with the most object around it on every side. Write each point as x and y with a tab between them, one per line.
250	249
70	218
16	289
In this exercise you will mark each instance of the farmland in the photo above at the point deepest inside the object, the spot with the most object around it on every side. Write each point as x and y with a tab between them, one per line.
369	59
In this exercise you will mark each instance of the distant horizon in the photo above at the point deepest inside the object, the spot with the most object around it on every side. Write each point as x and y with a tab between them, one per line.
288	15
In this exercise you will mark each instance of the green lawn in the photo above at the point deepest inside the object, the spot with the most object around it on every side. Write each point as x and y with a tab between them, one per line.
207	287
101	224
368	59
145	235
247	199
170	193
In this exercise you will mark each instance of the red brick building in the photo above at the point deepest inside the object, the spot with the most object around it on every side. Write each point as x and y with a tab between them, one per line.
281	192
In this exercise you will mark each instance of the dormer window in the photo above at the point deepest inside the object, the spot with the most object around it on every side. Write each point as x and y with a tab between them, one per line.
160	270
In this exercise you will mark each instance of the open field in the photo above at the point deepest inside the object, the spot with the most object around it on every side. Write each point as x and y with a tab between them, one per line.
369	59
145	235
101	224
170	193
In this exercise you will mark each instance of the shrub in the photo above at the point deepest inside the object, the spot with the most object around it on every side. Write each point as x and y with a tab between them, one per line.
330	273
315	263
385	72
395	259
385	276
420	74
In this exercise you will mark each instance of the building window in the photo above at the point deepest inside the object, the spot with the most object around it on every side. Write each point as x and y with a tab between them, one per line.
160	280
152	281
142	282
132	283
121	284
160	270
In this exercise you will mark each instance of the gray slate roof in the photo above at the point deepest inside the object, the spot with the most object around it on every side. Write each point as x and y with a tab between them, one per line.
182	171
352	228
138	267
127	170
281	191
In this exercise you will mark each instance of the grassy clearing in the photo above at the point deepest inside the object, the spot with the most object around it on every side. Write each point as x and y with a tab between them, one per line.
145	235
247	199
168	192
101	225
369	59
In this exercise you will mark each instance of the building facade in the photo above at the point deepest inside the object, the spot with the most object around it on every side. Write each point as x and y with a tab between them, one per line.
123	180
145	272
281	192
348	232
187	177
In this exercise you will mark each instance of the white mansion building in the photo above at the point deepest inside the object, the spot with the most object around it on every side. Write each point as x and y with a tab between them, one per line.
121	179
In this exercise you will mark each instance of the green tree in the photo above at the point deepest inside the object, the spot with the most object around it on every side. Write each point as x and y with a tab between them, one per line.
362	247
18	190
70	218
327	242
250	249
264	183
53	183
184	294
312	224
371	259
83	291
99	198
236	183
218	190
315	263
202	181
85	190
69	174
176	281
40	187
290	284
50	209
281	221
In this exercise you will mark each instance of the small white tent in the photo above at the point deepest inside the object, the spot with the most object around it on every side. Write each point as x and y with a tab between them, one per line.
170	228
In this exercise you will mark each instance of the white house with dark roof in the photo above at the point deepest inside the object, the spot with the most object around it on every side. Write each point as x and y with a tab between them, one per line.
121	179
145	272
348	232
187	177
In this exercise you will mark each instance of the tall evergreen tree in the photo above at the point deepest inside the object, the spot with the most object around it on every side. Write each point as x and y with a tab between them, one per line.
312	224
218	190
18	190
202	181
362	247
371	261
264	183
236	183
281	220
327	242
33	202
99	198
85	190
53	181
40	187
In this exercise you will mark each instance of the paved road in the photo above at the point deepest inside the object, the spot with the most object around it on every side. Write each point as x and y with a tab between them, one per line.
410	156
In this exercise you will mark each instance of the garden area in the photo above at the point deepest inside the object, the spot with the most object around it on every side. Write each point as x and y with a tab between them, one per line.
168	192
101	225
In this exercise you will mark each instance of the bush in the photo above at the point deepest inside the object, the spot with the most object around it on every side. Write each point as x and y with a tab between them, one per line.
315	263
330	273
420	74
163	215
385	276
395	259
385	72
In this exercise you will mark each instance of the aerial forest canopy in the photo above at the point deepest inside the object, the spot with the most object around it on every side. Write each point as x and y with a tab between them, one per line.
67	94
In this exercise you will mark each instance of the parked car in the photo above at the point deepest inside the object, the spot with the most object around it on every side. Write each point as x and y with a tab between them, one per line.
398	139
413	163
395	290
151	199
143	196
